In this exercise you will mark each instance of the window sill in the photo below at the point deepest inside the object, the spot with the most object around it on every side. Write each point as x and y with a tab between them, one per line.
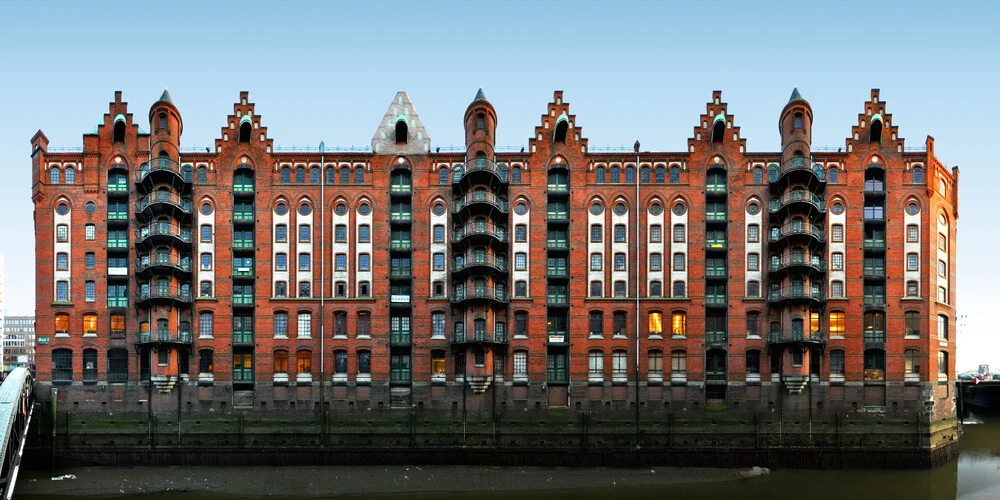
364	337
435	337
655	336
304	337
206	337
89	335
206	299
753	337
281	337
364	379
753	299
62	335
836	337
913	299
911	337
335	337
63	303
520	337
678	337
619	337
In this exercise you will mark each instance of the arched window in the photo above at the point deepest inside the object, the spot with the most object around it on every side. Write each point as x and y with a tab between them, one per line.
300	175
616	175
443	175
833	176
70	175
345	175
314	175
62	365
660	175
600	175
875	130
119	132
330	176
286	175
758	175
918	175
675	175
401	131
719	129
117	365
359	175
772	173
245	130
515	175
644	175
90	365
874	365
561	129
630	175
54	175
281	362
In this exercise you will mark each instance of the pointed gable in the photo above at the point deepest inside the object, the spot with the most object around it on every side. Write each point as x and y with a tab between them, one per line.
401	118
244	124
558	128
716	125
886	134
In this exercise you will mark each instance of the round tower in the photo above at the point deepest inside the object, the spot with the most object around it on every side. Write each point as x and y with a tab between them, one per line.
480	127
795	127
165	127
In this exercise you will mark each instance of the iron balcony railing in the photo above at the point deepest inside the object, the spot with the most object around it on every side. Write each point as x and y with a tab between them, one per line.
243	299
559	299
558	188
796	227
716	216
399	338
400	188
172	337
172	293
791	293
117	243
716	300
182	233
401	216
801	164
796	196
557	244
781	336
716	338
557	271
243	215
399	375
716	188
462	337
468	261
400	272
874	243
243	337
873	336
488	292
243	244
172	261
160	164
715	272
792	260
118	215
493	230
166	198
714	244
480	197
400	244
480	165
118	188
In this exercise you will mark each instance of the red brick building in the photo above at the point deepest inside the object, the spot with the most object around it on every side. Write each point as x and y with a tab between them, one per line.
553	276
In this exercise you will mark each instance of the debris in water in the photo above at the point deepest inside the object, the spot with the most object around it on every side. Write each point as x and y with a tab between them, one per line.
64	476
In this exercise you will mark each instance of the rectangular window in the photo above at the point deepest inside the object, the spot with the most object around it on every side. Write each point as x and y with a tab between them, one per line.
62	233
912	289
304	262
304	233
678	261
364	362
89	292
619	262
304	289
206	233
305	325
619	233
595	261
596	289
837	323
62	291
520	261
521	363
438	233
597	324
340	262
520	233
281	233
620	289
911	262
206	262
340	233
205	324
678	365
753	233
595	233
942	294
753	288
281	262
837	363
62	261
753	324
89	232
365	234
206	289
753	262
364	262
679	233
942	242
942	326
439	262
655	233
837	289
837	264
679	289
912	233
942	269
655	262
943	364
89	260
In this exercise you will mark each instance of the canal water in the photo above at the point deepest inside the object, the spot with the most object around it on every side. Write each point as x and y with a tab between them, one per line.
974	476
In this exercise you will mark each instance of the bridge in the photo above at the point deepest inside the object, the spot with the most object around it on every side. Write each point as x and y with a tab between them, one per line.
983	395
16	407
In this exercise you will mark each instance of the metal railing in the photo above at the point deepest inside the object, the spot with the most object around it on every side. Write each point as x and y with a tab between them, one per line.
480	165
789	261
160	164
496	231
796	196
487	261
172	293
795	336
163	229
487	292
461	337
797	227
795	293
169	336
477	197
173	261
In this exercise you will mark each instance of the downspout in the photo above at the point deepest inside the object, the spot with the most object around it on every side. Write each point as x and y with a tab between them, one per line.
637	315
322	293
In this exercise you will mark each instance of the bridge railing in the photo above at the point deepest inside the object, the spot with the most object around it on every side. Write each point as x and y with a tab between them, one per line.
16	405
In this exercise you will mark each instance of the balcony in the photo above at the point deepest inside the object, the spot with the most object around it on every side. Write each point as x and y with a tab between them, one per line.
873	272
557	272
716	339
243	337
243	300
162	232
558	244
557	216
716	189
163	338
796	337
796	294
801	169
477	166
480	232
118	244
401	188
557	337
406	245
557	299
797	197
480	199
479	337
161	169
162	263
874	339
786	263
479	295
243	272
118	188
163	202
114	302
480	264
118	216
873	303
399	338
165	294
243	245
399	375
797	228
558	188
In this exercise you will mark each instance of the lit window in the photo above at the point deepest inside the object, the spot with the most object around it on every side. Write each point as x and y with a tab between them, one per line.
656	323
837	322
679	324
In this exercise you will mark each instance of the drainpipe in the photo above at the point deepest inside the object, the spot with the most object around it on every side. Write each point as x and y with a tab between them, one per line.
322	292
637	315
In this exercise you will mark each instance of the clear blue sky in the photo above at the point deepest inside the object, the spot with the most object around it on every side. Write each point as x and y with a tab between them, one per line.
328	72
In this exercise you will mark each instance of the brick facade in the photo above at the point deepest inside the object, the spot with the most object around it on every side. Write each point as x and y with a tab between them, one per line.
737	212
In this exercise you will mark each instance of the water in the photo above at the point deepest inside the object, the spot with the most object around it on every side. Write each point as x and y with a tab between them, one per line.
975	475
